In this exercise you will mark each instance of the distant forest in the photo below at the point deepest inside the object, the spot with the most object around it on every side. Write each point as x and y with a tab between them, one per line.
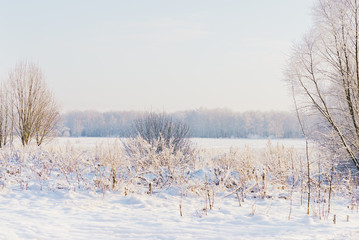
203	123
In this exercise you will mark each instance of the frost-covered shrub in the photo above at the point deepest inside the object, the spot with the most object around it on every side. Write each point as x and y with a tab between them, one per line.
154	167
161	131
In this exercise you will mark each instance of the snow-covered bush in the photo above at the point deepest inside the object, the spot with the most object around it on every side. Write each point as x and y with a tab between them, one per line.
153	167
160	130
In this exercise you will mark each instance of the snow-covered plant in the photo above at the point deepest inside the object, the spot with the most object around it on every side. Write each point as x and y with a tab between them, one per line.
110	165
158	168
160	130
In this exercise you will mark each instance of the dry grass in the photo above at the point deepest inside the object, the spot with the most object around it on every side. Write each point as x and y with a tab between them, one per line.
275	171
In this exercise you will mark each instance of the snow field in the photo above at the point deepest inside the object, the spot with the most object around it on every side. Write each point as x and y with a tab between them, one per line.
87	215
68	190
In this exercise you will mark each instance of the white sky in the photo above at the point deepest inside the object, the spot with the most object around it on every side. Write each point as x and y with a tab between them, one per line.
157	55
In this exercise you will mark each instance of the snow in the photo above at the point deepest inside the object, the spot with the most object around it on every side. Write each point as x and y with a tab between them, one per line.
205	143
91	214
226	143
88	215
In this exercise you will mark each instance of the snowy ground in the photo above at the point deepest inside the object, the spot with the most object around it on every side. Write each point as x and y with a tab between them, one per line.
71	215
81	214
205	143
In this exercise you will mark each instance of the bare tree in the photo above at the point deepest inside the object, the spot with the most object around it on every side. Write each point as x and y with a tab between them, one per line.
6	113
303	129
47	121
324	70
36	112
155	128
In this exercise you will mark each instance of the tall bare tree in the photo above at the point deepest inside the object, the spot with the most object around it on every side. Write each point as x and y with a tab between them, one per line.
48	119
6	113
324	70
36	112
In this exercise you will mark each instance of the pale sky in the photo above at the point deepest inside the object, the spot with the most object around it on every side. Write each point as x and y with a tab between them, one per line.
157	55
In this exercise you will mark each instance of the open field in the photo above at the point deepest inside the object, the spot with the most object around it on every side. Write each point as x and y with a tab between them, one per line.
202	143
90	189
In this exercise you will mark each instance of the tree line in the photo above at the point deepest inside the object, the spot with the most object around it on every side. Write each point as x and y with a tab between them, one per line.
28	111
203	123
